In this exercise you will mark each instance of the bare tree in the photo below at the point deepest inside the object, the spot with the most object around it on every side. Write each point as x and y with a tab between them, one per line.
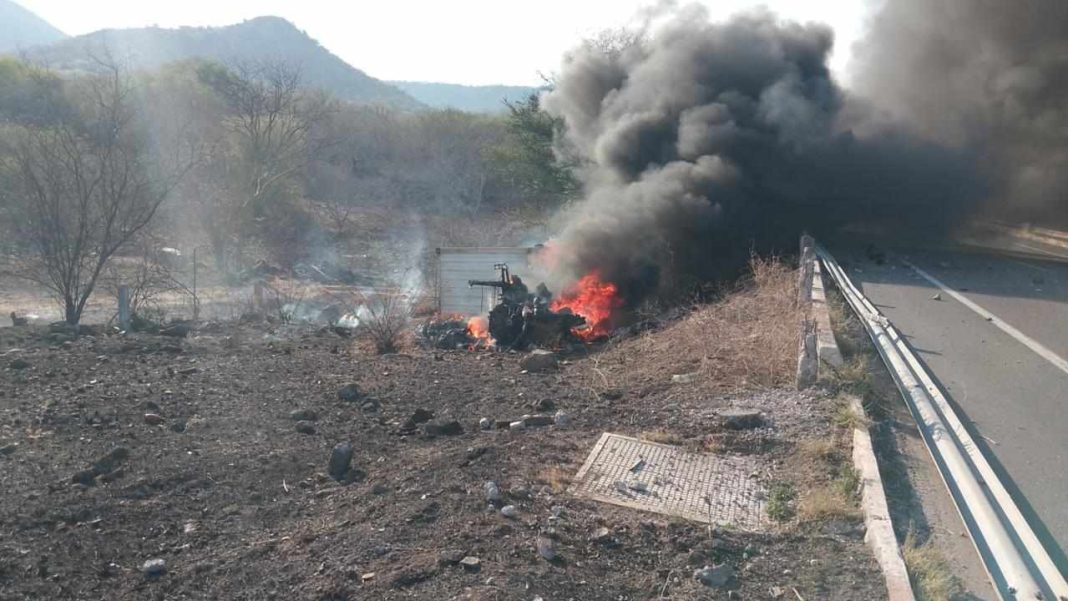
86	182
270	122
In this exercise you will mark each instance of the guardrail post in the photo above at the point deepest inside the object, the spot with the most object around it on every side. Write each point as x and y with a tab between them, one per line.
807	360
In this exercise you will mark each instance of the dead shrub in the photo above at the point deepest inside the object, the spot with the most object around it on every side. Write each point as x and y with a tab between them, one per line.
384	320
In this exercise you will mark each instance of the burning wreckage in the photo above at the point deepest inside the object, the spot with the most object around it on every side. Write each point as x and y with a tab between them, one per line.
521	319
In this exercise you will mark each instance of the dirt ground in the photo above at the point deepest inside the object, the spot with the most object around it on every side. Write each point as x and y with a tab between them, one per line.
237	502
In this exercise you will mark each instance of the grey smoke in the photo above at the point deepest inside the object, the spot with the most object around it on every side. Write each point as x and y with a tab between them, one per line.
987	75
707	140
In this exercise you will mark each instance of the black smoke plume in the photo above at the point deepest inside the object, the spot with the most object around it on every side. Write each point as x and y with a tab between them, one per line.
986	75
705	141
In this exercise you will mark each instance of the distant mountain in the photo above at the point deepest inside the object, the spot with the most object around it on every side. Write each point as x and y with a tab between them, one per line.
475	99
262	38
20	28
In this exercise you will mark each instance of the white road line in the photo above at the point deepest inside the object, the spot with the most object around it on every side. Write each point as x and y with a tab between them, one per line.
1024	339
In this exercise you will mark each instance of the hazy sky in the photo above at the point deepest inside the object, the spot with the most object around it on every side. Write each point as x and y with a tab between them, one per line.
462	41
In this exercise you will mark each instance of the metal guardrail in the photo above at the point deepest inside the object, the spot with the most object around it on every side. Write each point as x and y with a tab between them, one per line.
1018	565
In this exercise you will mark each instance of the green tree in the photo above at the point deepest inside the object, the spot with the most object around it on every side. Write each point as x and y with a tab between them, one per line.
526	162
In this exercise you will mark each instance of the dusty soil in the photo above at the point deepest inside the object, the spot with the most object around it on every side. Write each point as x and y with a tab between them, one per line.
238	503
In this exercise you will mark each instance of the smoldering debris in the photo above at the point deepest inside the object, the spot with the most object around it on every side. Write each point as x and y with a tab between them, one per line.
705	141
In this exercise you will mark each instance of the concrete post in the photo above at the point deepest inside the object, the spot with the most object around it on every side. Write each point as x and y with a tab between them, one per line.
124	307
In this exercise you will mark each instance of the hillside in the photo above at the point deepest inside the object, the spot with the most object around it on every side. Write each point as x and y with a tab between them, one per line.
475	99
20	28
262	38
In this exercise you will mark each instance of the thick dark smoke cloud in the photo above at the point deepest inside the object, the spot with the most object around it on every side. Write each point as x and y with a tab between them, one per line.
706	141
989	75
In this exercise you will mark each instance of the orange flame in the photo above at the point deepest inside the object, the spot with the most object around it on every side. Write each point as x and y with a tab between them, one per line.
478	328
594	299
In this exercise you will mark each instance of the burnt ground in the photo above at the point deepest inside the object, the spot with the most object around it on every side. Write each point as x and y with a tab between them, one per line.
239	505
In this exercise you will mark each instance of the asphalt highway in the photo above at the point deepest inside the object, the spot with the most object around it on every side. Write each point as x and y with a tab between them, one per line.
993	329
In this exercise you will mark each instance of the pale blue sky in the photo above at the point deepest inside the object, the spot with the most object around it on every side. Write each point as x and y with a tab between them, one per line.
460	41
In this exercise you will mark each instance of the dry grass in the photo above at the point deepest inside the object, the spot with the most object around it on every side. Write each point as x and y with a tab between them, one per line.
556	477
820	449
662	437
746	340
932	579
825	503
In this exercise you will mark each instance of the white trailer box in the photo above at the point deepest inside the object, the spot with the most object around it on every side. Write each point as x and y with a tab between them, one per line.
458	265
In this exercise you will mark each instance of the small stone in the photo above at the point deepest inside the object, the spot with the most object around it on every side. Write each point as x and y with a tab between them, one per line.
178	425
537	421
305	427
561	419
485	424
492	492
471	563
544	405
546	548
154	567
340	460
370	406
368	576
510	512
188	371
9	449
684	378
153	419
937	296
776	592
84	477
741	418
349	393
638	486
450	557
538	360
19	363
108	463
517	425
601	535
303	415
715	577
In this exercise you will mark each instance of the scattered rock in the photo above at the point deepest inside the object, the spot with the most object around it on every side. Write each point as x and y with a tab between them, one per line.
370	406
492	492
741	418
449	428
485	424
471	563
19	363
84	477
110	462
517	425
684	378
154	567
451	557
715	577
937	296
340	461
153	419
602	536
305	427
178	425
8	449
538	360
544	405
546	548
188	371
349	393
561	419
303	415
510	512
537	421
420	416
113	475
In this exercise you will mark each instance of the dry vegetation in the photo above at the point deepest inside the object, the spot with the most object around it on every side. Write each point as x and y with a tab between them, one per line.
747	340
